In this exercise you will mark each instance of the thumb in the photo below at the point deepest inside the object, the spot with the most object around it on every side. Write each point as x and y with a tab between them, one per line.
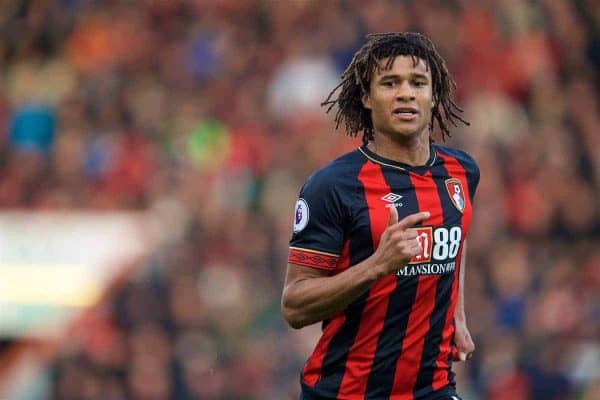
459	355
393	215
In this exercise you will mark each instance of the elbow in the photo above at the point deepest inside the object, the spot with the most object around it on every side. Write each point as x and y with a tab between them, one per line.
292	316
294	322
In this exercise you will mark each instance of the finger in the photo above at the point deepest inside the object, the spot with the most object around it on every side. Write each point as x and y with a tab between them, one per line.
460	356
464	342
400	235
417	250
469	346
410	250
410	234
393	216
413	219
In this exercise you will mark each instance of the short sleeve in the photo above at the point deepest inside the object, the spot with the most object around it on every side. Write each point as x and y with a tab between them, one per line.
318	228
473	179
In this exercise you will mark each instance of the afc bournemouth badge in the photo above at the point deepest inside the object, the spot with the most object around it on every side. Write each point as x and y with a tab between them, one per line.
456	192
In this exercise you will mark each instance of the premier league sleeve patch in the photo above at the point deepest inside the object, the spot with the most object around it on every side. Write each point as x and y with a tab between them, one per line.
320	226
301	215
456	192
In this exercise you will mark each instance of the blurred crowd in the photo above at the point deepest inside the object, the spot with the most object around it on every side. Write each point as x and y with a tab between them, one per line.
207	113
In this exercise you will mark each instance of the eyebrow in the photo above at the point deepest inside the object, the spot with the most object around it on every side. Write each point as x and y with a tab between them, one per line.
395	76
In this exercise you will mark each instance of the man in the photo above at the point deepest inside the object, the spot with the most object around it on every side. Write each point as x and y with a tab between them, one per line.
378	247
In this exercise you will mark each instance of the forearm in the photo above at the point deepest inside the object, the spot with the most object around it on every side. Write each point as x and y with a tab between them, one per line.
309	300
309	296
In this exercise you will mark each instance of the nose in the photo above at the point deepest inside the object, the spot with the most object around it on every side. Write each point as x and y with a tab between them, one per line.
405	92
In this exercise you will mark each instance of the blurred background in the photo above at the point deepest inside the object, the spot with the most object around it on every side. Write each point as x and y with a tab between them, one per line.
151	153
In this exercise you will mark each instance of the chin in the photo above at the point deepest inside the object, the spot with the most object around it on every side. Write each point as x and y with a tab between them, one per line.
408	133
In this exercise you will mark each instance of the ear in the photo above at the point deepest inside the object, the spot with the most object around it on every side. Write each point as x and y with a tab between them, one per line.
366	101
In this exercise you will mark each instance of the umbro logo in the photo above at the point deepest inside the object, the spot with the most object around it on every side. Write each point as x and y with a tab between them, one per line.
392	198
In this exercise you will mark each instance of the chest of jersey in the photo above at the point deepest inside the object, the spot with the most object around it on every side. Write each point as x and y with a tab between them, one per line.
444	195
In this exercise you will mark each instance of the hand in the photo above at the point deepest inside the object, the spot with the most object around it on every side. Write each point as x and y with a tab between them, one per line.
398	243
463	341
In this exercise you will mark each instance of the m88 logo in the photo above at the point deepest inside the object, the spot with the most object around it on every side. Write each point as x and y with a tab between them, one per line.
439	244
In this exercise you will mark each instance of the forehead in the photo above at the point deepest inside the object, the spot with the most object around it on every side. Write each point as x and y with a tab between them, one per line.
402	65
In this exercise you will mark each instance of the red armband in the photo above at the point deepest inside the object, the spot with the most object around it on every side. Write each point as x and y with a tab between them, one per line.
313	258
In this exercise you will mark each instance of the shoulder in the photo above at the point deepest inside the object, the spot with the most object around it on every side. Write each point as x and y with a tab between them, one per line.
464	158
455	158
337	172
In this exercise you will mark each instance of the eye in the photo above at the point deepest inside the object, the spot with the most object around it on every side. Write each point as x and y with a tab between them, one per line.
419	83
388	83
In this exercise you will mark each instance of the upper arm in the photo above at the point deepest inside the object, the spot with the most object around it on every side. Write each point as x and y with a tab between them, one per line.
297	273
320	218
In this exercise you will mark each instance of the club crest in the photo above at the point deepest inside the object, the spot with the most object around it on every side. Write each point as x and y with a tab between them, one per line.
456	193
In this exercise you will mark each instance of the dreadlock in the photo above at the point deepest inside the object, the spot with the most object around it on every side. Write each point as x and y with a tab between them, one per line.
356	80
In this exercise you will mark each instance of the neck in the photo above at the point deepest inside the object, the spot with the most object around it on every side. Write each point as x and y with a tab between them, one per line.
413	151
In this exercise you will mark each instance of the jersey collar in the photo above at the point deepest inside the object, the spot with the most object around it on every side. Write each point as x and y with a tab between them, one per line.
376	158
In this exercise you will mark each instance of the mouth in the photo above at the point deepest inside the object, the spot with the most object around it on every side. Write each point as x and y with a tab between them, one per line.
405	113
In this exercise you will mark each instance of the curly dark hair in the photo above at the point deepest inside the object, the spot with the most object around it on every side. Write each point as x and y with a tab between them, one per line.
356	80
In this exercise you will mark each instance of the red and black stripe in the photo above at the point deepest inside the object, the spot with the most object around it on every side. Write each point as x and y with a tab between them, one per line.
409	361
443	375
335	360
395	340
362	352
449	216
401	299
312	369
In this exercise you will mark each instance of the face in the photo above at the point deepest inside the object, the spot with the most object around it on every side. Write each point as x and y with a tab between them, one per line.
400	98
